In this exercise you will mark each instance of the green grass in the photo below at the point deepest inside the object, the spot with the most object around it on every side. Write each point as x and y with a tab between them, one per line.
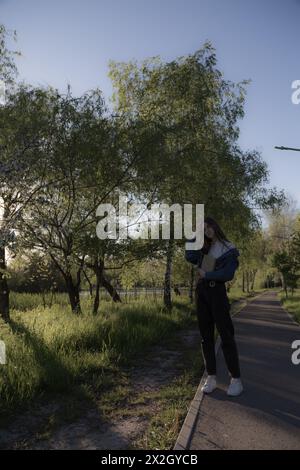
292	303
52	350
236	293
25	301
77	360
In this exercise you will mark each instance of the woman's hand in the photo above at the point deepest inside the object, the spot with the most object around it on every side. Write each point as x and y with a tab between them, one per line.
201	273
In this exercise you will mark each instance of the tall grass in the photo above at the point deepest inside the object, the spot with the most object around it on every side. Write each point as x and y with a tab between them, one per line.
26	301
52	350
292	303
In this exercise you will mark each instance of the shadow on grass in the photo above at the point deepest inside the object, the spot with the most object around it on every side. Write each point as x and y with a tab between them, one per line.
21	426
56	377
185	307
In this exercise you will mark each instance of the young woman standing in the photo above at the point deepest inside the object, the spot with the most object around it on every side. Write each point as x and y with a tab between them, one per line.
213	308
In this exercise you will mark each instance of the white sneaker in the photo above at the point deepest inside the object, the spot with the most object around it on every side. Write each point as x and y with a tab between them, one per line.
210	384
235	388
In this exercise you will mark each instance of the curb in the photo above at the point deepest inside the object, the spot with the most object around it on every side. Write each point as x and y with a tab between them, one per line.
187	429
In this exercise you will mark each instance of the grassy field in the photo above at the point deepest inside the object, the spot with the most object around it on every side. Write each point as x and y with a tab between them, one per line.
51	350
292	303
76	359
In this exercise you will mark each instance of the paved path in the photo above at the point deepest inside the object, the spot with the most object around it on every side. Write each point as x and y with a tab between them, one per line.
267	414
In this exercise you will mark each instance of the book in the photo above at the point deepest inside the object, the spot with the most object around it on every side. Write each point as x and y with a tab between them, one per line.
208	263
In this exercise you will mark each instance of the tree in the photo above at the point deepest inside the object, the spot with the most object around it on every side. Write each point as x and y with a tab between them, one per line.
288	266
253	258
8	68
196	112
89	160
24	121
76	143
8	72
32	271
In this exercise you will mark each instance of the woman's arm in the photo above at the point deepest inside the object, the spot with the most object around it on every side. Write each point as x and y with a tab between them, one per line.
192	256
224	274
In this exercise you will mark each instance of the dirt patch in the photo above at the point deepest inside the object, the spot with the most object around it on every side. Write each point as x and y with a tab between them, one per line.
90	433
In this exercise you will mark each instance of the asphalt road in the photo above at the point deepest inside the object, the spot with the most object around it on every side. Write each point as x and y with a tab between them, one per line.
267	414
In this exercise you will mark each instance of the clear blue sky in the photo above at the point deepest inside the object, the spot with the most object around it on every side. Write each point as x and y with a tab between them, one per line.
71	41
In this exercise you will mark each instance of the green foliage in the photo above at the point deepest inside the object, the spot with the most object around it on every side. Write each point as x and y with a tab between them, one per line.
8	69
173	139
197	113
292	304
34	272
288	266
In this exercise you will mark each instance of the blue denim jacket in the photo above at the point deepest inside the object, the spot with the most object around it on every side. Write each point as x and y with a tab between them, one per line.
225	267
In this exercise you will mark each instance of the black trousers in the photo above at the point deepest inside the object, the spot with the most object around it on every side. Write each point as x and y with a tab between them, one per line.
213	309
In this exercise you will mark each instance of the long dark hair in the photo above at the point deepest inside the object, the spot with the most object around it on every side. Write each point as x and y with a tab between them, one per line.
218	232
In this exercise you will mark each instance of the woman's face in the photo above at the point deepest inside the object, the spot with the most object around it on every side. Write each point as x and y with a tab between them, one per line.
209	231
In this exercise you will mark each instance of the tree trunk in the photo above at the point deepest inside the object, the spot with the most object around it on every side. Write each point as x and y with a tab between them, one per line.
73	292
247	281
243	288
73	288
253	278
168	276
98	267
89	284
4	290
285	286
110	289
97	294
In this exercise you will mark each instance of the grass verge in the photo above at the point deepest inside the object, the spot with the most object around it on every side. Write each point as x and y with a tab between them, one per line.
291	304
